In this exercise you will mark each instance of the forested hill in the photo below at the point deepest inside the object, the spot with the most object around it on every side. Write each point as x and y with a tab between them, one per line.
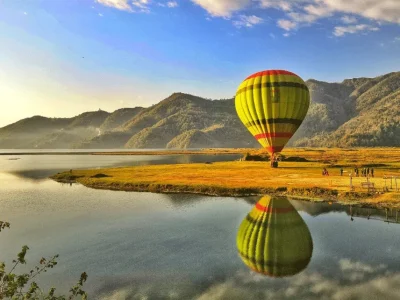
355	112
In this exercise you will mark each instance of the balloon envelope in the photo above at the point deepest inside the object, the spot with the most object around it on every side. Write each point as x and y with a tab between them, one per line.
272	105
274	240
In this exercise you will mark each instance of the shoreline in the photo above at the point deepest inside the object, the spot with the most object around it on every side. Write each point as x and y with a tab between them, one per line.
210	151
300	180
315	154
358	199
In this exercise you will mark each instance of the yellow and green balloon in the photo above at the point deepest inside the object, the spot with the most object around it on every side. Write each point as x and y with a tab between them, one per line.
274	240
272	105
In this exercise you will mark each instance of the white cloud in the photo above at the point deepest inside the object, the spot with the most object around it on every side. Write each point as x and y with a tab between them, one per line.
272	36
172	4
286	34
348	19
247	21
318	11
142	5
249	285
301	12
383	10
222	8
100	15
287	5
119	4
348	265
286	24
379	10
385	287
297	12
128	5
302	18
356	271
343	30
324	286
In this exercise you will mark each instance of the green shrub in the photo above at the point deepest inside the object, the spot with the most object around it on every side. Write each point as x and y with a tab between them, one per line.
22	286
255	157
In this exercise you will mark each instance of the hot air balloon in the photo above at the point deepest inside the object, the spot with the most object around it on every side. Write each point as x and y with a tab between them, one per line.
272	105
274	240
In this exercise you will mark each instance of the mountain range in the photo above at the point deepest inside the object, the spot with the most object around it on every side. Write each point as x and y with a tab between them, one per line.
355	112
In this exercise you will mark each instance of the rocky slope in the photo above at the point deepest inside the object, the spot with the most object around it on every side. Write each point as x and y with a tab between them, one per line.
355	112
366	112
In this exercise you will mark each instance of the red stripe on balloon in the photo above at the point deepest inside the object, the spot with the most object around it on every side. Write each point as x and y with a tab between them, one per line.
271	72
274	134
275	149
277	210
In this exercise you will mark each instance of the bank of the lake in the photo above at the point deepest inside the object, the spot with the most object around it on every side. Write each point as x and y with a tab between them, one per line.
121	152
244	178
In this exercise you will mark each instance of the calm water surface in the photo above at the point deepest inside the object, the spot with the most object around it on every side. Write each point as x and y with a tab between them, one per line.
153	246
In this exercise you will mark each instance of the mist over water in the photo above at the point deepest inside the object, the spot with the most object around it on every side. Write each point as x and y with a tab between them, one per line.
38	167
158	246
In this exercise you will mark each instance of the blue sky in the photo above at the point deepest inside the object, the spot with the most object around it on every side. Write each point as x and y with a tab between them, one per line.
62	57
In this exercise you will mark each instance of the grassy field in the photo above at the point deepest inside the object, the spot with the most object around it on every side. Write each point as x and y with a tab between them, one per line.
239	178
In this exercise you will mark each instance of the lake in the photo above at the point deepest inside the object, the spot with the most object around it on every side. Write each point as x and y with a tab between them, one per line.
174	246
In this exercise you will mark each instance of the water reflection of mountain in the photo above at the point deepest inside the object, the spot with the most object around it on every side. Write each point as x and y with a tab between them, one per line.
311	208
274	240
179	200
316	209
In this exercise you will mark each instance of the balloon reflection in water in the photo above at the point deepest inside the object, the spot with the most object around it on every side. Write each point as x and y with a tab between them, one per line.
274	240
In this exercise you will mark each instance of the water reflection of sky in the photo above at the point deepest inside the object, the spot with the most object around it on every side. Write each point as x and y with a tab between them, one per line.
38	167
184	246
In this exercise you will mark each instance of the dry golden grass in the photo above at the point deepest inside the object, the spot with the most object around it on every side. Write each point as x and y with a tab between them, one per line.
243	178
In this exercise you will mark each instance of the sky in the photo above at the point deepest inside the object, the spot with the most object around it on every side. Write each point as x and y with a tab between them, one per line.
59	58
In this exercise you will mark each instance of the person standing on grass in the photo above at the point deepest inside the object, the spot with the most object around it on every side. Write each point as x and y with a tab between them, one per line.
341	171
372	172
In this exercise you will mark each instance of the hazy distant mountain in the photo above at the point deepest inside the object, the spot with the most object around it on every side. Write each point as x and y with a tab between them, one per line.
119	117
46	133
23	133
186	121
356	112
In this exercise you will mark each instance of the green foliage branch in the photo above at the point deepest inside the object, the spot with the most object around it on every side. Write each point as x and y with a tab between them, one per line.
22	286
